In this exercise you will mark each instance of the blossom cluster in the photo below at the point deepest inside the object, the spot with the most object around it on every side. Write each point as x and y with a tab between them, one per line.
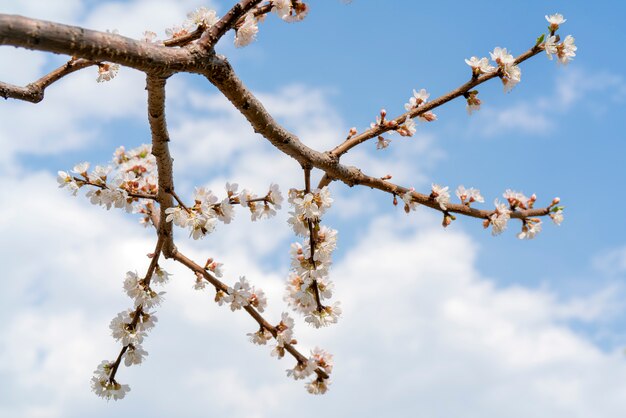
509	71
498	219
564	51
208	209
241	295
130	327
308	285
319	360
127	183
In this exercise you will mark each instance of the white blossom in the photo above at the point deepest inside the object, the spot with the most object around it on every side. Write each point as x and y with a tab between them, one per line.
302	370
246	33
499	218
134	355
418	98
502	57
480	66
407	128
469	195
261	337
409	203
441	195
203	16
530	229
107	71
557	216
555	21
317	386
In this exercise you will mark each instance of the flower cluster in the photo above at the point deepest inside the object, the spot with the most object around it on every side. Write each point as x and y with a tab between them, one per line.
241	295
419	98
128	183
289	10
130	327
201	17
105	387
202	217
308	285
469	196
510	73
319	360
564	51
517	201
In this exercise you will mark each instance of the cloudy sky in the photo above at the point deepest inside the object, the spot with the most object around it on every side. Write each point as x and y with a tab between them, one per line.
437	323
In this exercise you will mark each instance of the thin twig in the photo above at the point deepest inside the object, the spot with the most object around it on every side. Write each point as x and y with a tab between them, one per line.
263	323
34	91
353	141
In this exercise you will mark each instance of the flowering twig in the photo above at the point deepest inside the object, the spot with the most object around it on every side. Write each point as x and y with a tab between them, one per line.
355	140
227	22
263	323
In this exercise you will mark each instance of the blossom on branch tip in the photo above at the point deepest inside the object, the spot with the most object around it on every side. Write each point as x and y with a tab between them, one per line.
103	386
555	21
318	386
557	216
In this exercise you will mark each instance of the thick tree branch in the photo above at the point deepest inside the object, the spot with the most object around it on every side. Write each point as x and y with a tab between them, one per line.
160	150
34	92
96	46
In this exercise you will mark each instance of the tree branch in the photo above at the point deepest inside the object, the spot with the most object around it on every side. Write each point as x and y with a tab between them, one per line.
215	32
97	46
460	91
160	149
34	92
222	75
196	268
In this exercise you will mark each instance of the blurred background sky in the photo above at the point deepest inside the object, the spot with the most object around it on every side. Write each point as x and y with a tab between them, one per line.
437	323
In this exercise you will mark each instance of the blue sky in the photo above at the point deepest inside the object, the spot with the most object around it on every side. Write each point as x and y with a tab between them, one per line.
444	322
